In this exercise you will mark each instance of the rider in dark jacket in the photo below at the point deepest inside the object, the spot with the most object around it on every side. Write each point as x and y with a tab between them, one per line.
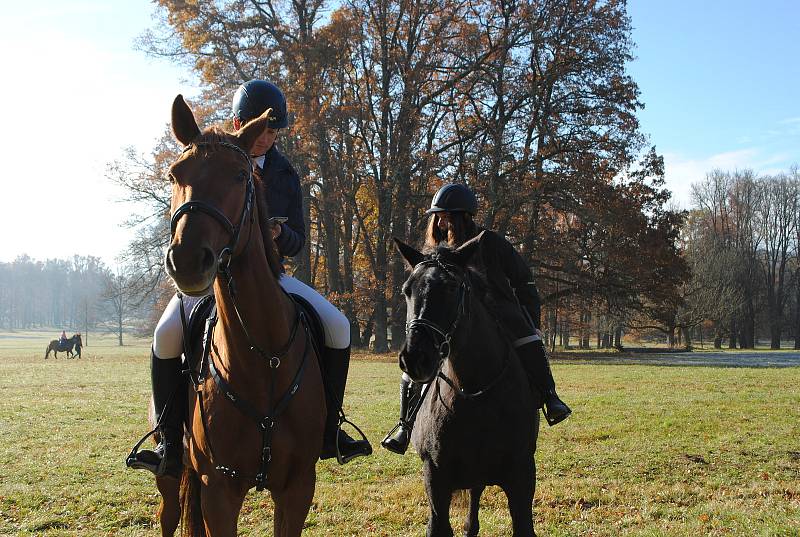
512	298
284	202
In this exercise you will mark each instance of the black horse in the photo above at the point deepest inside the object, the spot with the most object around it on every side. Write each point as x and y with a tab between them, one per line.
477	425
56	346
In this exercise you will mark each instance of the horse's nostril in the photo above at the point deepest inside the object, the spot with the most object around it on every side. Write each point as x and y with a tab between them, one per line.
169	260
208	258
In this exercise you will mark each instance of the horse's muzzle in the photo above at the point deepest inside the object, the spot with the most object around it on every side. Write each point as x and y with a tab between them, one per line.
421	366
192	269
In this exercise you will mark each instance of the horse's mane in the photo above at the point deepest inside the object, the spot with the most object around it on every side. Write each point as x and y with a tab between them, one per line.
477	278
211	138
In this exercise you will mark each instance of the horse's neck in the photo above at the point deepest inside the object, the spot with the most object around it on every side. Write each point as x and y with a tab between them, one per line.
260	301
480	350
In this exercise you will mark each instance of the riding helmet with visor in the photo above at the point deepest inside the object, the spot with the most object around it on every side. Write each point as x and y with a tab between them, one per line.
255	96
452	198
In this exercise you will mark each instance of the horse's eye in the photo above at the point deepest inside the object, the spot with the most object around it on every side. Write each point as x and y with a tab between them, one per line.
170	178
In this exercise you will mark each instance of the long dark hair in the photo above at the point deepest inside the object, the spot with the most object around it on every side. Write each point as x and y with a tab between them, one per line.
461	230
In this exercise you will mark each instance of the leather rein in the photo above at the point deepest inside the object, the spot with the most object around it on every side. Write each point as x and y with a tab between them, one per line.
264	421
443	338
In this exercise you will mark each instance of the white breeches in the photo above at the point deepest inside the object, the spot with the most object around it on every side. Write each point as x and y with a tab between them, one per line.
168	335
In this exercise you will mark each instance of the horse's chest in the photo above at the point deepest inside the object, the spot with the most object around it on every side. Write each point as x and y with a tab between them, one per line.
467	436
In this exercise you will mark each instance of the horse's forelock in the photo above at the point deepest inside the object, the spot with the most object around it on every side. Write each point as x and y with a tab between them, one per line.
212	136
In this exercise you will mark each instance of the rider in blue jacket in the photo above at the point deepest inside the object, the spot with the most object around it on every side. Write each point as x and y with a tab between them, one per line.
284	201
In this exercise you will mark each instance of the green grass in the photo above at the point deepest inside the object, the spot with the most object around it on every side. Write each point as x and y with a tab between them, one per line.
649	451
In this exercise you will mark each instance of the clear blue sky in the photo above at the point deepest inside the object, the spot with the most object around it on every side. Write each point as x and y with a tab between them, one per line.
721	84
719	79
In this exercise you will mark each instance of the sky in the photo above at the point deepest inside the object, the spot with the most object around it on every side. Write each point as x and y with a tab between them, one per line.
719	80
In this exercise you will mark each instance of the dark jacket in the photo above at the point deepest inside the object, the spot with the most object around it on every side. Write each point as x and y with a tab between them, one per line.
510	284
284	198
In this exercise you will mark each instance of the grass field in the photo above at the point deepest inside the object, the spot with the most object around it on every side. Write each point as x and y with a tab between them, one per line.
649	451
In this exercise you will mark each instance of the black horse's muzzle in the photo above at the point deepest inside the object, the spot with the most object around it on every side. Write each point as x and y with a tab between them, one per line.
420	359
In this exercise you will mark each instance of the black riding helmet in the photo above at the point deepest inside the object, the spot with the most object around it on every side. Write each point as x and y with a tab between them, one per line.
454	198
255	96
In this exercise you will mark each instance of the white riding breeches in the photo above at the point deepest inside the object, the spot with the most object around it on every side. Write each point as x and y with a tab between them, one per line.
337	327
168	335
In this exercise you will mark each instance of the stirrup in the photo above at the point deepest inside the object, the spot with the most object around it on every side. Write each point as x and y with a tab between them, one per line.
131	461
558	418
341	459
402	424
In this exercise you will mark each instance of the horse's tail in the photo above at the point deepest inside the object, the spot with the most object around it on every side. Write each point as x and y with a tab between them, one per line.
191	510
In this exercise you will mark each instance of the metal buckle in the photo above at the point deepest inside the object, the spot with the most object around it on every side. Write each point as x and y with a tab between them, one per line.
274	362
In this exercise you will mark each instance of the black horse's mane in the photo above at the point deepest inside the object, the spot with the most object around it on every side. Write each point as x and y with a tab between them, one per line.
477	278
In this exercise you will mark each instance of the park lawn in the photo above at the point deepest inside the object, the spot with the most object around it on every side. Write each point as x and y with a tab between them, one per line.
649	451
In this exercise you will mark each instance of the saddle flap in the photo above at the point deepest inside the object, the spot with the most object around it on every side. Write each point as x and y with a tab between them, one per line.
315	325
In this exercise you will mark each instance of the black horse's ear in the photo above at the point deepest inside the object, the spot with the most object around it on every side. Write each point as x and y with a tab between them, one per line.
411	255
249	133
184	126
464	253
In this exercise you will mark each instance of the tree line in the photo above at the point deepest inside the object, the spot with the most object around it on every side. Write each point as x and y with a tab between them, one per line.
75	295
527	102
742	244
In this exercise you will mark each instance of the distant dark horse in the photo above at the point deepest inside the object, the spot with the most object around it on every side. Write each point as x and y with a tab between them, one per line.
55	346
477	426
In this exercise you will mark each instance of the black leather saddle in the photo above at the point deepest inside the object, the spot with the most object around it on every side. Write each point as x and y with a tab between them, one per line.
207	307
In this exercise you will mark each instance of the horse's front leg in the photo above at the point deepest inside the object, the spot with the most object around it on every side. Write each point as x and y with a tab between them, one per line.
471	524
221	504
293	502
519	490
169	512
440	494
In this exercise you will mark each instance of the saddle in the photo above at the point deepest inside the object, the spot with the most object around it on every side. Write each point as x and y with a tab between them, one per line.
206	309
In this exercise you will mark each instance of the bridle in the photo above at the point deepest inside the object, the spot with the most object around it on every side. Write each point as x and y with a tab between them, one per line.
443	338
199	206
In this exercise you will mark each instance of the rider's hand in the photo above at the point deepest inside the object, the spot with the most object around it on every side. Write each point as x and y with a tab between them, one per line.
276	230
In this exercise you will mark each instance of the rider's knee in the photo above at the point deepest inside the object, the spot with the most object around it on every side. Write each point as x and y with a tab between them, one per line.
337	331
168	337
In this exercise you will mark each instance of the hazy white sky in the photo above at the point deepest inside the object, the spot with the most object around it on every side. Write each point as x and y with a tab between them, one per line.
75	94
720	83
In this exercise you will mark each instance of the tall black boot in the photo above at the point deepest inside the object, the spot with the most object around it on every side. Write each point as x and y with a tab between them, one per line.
169	399
534	361
336	363
398	438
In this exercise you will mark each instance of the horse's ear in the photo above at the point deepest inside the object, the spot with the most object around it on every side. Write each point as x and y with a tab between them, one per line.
250	132
411	255
184	126
464	253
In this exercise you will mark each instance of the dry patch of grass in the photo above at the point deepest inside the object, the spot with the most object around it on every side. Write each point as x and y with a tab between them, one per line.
649	451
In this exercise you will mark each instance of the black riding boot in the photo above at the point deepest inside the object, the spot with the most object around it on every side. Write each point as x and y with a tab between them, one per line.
398	438
534	361
336	363
167	457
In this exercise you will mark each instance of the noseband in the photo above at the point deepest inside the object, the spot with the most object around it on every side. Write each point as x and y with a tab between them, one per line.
443	338
198	206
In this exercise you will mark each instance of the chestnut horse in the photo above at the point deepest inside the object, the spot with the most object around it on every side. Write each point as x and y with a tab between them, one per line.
257	419
478	425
